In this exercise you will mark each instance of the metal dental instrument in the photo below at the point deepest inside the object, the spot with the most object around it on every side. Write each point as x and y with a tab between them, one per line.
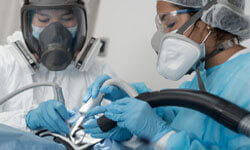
93	103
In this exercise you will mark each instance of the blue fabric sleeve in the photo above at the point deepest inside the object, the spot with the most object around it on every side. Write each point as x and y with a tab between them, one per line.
182	140
14	139
197	131
166	113
185	141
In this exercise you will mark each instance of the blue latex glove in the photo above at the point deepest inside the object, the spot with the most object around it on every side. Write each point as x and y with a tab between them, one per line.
117	134
50	115
94	89
135	115
112	93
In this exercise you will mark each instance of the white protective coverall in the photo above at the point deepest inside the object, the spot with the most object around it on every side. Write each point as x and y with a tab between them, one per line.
16	74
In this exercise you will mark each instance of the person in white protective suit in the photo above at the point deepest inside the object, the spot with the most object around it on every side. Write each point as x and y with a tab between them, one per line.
52	39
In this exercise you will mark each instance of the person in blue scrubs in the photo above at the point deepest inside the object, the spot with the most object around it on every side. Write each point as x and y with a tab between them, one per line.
222	68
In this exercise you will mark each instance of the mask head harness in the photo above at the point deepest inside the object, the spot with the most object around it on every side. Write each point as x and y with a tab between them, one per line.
195	18
219	48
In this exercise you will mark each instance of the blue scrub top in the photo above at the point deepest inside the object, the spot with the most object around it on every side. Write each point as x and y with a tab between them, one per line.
196	131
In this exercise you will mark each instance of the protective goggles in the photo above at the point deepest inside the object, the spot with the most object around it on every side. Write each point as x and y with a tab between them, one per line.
170	21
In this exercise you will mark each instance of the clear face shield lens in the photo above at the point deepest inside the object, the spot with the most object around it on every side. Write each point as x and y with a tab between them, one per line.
40	19
55	34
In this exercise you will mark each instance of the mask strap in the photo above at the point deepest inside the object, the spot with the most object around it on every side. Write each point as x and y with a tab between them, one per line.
221	47
200	82
187	26
196	17
209	33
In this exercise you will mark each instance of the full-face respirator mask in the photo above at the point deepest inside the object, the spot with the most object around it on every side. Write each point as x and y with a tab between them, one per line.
55	33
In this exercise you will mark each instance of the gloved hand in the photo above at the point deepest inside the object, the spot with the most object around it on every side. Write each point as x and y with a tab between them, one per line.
94	89
112	93
117	134
50	115
135	115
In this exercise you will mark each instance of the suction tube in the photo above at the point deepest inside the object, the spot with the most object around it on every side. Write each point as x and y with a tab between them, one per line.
58	95
224	112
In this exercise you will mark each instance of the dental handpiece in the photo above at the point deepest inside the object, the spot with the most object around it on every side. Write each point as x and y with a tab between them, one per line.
82	113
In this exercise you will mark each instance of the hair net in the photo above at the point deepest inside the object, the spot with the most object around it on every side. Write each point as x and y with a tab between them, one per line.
227	15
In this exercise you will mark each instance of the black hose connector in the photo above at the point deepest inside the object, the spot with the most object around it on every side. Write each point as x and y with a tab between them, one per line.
106	124
244	126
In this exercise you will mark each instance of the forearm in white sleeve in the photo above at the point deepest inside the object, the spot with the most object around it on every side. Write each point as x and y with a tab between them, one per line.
16	119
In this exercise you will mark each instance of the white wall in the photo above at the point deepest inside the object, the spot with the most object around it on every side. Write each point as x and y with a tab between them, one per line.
130	25
9	18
